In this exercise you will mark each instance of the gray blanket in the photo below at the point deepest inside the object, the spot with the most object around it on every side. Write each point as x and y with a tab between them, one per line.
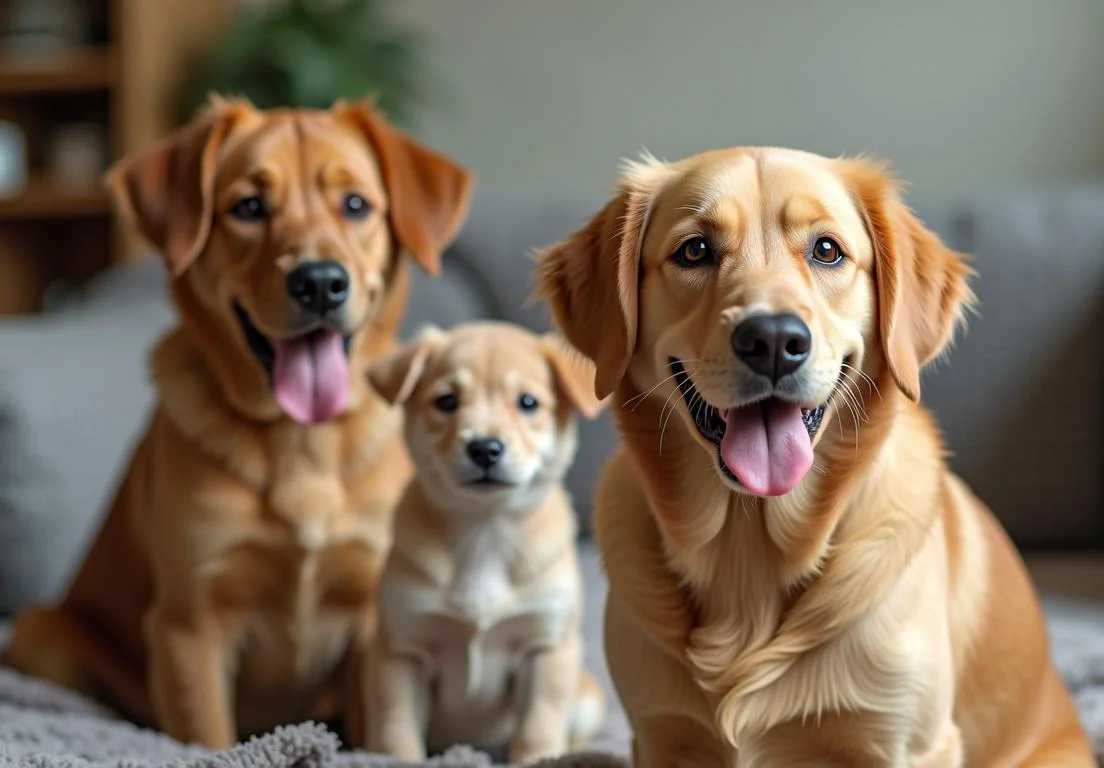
47	727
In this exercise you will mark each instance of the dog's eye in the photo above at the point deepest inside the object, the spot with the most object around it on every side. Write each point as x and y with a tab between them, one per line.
827	252
528	403
354	207
695	253
250	208
447	403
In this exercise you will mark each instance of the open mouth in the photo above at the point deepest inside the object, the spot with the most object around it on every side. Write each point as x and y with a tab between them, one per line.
765	446
308	373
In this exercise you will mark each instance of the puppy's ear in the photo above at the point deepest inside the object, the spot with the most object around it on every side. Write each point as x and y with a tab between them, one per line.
922	285
168	189
396	376
428	193
591	279
574	375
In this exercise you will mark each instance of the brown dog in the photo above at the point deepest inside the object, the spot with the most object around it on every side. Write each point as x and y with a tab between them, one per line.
795	576
480	638
238	567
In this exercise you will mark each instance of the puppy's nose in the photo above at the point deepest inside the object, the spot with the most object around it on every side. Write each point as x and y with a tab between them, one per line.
485	452
319	286
772	345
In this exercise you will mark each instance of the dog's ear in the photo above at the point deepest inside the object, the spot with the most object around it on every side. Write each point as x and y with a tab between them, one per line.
396	376
574	375
591	279
922	285
428	193
168	189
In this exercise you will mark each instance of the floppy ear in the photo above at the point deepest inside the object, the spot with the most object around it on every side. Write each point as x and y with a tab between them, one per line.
923	286
167	190
591	279
396	376
574	375
429	193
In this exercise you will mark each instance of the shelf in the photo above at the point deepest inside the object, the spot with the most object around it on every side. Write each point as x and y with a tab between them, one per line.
83	70
41	199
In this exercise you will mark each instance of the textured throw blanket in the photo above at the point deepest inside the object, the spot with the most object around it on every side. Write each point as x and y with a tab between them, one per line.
43	726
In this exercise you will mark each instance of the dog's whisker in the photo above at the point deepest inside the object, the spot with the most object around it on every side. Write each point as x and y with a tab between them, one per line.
873	386
849	399
854	395
642	395
663	422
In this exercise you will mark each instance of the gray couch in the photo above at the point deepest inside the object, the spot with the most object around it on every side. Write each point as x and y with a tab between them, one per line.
1020	399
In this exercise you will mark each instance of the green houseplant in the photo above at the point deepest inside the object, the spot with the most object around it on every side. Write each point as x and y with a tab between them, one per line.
309	53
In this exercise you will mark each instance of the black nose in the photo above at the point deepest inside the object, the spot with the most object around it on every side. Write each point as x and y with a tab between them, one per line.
772	345
320	286
486	452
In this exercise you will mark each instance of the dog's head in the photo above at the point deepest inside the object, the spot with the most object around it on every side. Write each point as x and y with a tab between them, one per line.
757	286
489	412
284	229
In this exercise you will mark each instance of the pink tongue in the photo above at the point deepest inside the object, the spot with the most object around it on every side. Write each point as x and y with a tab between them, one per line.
767	447
311	376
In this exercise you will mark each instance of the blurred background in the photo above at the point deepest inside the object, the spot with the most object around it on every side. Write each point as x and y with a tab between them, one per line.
991	109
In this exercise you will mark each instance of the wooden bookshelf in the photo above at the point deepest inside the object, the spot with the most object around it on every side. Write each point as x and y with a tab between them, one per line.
42	199
125	83
80	70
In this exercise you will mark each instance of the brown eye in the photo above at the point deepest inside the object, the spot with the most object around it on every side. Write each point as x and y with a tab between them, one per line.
695	252
827	252
250	208
447	403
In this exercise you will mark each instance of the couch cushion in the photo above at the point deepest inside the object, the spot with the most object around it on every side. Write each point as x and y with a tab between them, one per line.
76	387
1020	395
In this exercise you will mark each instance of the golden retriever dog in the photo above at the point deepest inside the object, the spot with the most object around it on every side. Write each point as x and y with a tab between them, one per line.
796	578
235	576
481	598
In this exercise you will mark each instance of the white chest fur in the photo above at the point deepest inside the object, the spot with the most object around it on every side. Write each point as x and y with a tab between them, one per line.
473	631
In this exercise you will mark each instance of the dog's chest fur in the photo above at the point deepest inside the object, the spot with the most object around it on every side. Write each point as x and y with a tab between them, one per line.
298	570
472	626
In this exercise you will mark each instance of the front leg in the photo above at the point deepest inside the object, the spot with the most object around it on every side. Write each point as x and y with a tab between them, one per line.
552	681
189	678
397	696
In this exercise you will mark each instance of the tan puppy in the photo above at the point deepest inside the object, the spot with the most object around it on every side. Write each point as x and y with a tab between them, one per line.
481	599
239	564
796	577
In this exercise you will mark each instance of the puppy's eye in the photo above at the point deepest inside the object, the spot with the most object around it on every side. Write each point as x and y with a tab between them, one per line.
355	207
695	252
827	252
447	403
250	208
528	403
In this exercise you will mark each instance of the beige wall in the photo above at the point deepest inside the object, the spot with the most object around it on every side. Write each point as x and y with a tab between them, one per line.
958	95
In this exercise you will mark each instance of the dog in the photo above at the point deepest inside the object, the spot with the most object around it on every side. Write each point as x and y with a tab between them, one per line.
481	598
235	577
796	578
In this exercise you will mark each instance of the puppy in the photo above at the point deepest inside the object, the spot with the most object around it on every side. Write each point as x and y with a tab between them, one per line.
796	579
481	600
237	570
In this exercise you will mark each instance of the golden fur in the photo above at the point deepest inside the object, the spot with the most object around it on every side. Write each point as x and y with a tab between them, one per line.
875	614
481	598
235	575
